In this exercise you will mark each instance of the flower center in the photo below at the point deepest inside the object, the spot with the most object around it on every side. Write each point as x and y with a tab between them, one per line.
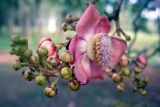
99	49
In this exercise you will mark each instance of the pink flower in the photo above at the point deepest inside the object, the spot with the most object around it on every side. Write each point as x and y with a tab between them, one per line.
142	60
93	50
52	50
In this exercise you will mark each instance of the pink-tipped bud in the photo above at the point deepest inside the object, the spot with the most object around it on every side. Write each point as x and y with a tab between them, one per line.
50	47
43	39
142	60
123	61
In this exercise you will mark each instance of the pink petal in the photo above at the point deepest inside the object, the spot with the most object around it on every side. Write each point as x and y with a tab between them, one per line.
91	68
50	46
103	26
118	48
77	47
44	38
72	46
142	60
79	72
87	22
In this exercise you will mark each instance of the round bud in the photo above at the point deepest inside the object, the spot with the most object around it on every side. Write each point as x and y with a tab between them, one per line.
128	38
66	57
53	62
137	69
64	26
42	51
27	75
123	61
74	85
28	53
120	88
66	73
16	65
126	72
116	77
50	92
16	49
60	45
40	79
35	58
52	50
135	89
143	92
142	60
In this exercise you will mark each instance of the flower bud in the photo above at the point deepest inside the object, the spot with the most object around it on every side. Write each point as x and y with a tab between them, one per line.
137	69
28	53
74	85
67	57
143	92
120	87
42	51
28	75
60	45
52	50
116	77
126	71
142	60
64	26
50	92
35	58
40	79
66	73
53	62
123	61
16	65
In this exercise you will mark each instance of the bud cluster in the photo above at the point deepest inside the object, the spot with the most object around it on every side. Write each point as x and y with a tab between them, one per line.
45	64
130	71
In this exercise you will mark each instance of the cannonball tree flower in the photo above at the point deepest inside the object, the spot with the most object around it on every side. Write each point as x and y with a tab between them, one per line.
93	50
47	43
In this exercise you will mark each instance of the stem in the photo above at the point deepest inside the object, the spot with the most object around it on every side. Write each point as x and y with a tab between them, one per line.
132	42
53	84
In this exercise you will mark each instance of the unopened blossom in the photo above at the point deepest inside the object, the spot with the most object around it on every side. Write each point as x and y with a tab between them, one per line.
47	43
142	60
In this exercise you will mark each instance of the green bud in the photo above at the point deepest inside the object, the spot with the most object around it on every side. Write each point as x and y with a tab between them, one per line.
35	58
42	51
53	62
128	38
66	73
142	83
16	49
28	53
74	85
126	72
40	79
16	65
50	92
60	46
143	92
28	75
66	57
135	89
137	69
120	88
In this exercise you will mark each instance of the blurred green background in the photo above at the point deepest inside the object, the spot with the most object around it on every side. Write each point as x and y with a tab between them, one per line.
33	19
